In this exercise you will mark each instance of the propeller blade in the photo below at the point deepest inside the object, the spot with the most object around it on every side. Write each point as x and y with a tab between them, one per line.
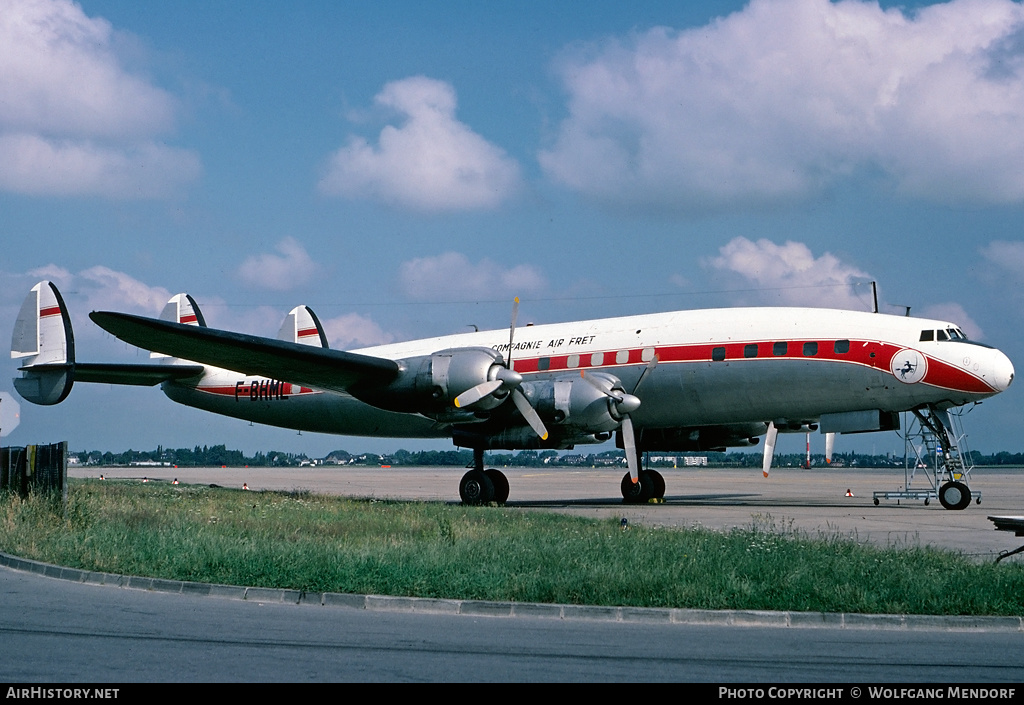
593	383
629	444
769	448
650	366
512	331
830	444
529	413
475	394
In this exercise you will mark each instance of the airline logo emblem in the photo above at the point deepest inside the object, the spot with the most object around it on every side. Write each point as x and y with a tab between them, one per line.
909	366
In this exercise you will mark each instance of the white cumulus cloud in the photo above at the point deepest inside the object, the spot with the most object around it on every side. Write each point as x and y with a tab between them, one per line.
790	274
291	268
953	313
353	330
786	98
107	289
452	275
73	120
1007	257
431	162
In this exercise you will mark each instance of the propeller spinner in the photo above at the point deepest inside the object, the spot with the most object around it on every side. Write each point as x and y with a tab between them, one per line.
623	405
508	380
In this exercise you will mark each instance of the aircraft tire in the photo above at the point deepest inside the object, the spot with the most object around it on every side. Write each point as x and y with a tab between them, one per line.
636	492
476	488
500	482
955	495
657	483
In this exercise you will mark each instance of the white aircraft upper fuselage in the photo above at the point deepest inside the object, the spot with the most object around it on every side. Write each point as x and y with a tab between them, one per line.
884	365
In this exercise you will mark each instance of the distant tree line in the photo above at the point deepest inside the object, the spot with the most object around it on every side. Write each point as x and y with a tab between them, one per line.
200	456
218	455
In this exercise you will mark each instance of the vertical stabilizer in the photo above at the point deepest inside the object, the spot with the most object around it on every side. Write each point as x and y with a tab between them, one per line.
181	308
302	326
43	336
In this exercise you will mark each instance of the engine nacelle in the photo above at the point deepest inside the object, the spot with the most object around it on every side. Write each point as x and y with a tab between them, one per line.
428	384
577	403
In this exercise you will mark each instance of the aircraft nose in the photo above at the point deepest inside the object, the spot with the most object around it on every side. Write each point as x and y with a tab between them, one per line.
1002	371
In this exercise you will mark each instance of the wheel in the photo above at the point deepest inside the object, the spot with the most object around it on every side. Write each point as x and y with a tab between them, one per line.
926	501
635	492
500	483
954	495
476	488
657	483
876	501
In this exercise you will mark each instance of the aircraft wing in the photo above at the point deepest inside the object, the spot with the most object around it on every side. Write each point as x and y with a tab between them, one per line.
321	368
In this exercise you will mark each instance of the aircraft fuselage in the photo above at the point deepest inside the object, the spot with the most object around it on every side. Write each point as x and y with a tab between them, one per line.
714	367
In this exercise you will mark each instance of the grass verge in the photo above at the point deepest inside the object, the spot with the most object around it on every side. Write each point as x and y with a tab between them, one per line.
320	543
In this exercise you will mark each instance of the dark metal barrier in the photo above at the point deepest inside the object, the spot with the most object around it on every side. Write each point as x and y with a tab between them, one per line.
39	468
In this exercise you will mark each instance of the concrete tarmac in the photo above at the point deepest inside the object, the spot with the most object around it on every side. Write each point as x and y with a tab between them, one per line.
812	501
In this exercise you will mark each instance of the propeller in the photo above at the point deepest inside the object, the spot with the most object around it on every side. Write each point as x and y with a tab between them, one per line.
505	377
626	404
769	447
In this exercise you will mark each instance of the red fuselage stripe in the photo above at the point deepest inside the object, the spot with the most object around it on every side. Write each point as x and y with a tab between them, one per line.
861	352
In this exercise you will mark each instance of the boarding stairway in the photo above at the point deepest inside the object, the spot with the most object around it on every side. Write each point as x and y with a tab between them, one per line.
935	455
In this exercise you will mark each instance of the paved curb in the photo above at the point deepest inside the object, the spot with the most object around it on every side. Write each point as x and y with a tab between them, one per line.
482	608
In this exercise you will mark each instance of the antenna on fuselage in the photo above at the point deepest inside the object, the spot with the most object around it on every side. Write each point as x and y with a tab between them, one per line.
874	297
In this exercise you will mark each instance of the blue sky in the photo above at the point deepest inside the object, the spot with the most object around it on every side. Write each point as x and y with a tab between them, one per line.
406	168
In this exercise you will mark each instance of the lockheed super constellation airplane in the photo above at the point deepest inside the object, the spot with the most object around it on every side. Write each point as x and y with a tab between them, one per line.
679	381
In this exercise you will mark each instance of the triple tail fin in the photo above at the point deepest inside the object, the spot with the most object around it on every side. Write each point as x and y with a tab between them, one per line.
302	326
43	334
44	338
181	308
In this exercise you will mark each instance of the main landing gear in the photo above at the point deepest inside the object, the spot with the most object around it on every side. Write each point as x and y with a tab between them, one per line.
650	485
479	486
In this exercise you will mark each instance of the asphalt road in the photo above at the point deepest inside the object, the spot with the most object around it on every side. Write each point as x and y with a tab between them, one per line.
56	630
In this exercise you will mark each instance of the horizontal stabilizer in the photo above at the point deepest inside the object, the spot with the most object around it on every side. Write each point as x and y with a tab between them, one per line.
138	374
46	384
308	365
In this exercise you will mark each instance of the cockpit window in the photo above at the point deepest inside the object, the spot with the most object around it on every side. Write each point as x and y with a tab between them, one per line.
956	334
927	335
941	335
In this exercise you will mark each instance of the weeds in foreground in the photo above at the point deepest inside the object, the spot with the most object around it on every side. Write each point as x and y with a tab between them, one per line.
317	543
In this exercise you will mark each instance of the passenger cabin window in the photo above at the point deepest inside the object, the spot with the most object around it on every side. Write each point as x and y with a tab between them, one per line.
718	354
927	336
842	347
750	350
544	364
810	349
779	348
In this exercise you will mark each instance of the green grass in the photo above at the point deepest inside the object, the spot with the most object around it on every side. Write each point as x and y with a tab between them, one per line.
320	543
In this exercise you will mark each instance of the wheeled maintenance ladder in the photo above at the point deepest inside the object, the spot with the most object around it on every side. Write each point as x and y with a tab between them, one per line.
935	455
